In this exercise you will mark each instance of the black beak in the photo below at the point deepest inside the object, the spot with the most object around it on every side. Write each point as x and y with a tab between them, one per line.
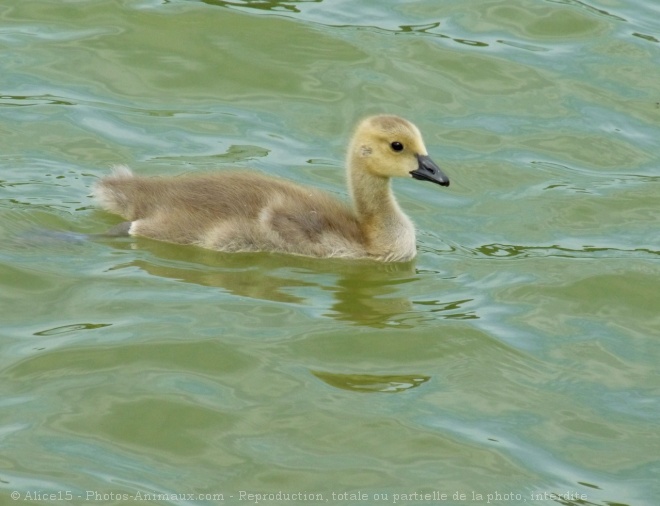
429	171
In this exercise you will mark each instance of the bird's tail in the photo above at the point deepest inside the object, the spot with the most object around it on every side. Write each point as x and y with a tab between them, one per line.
112	192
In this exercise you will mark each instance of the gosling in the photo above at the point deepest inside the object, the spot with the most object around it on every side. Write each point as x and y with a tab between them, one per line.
248	212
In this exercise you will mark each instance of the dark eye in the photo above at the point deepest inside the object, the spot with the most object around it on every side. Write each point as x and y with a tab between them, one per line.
397	146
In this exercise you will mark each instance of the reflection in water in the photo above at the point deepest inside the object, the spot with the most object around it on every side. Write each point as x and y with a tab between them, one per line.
650	38
364	292
372	382
22	100
266	5
65	329
290	7
236	153
451	309
514	250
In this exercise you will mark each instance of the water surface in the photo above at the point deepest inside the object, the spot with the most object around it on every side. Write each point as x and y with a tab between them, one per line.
516	356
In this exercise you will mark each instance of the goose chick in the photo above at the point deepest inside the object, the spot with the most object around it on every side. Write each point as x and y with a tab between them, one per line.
247	211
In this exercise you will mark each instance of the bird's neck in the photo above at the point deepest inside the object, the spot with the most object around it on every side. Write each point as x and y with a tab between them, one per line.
387	230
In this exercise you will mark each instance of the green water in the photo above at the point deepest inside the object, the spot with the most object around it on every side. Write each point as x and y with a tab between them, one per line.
516	358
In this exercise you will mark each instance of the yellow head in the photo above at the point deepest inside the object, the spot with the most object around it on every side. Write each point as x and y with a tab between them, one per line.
389	146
